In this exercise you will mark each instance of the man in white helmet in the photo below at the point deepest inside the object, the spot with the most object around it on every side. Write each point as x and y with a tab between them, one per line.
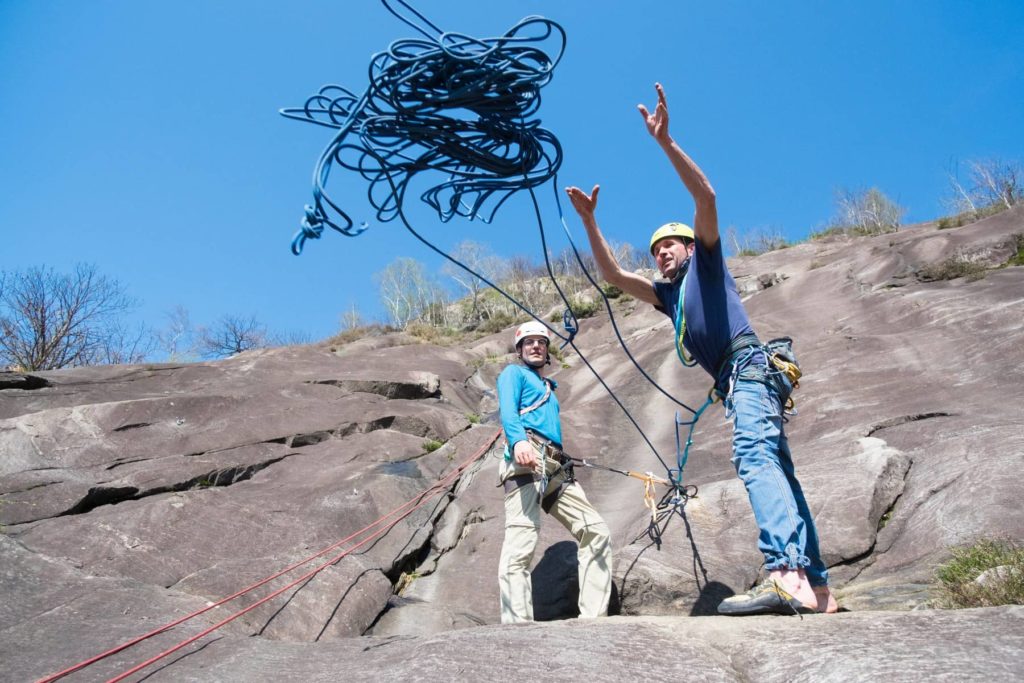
712	329
537	476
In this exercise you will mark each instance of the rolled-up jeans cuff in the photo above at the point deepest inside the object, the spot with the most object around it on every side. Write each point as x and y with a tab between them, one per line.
792	559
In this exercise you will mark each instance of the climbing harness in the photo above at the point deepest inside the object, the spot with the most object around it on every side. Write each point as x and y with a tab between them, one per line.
779	361
553	462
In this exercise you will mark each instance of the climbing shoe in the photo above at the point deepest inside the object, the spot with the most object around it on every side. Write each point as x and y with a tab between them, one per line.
767	597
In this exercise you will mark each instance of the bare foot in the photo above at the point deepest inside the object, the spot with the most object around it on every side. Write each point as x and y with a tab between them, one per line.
826	601
794	582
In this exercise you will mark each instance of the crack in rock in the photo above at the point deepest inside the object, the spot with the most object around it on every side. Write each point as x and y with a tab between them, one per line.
127	461
412	560
134	425
30	488
300	440
904	419
406	424
101	495
428	387
98	496
16	380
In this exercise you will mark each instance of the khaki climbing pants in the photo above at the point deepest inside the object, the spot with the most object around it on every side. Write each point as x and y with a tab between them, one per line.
522	528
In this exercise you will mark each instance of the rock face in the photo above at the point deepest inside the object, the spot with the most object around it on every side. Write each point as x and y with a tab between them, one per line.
131	496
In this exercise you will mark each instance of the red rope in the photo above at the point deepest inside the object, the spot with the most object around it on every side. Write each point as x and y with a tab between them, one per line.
416	502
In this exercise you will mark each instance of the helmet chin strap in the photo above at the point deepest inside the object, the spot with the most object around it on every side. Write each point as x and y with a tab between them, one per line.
682	269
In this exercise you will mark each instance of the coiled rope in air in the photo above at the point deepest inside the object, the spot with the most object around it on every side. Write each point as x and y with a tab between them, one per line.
465	108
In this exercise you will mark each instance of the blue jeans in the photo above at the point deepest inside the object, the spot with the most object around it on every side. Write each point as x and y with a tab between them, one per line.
788	538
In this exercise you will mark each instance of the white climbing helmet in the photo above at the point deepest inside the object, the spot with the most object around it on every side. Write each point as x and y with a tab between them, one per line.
531	329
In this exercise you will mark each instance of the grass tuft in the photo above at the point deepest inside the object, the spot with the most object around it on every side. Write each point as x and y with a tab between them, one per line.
1018	258
987	573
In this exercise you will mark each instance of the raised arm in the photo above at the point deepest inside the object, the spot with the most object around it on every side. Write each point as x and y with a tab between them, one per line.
607	265
705	219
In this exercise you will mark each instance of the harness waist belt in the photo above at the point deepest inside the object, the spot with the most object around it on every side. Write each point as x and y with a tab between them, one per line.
554	449
740	343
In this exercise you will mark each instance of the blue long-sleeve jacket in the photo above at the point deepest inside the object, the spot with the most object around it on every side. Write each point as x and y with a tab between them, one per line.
520	387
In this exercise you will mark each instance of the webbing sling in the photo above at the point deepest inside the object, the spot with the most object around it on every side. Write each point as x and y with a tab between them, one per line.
541	401
680	324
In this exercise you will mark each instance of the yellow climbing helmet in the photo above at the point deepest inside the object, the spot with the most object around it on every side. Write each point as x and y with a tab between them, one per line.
671	230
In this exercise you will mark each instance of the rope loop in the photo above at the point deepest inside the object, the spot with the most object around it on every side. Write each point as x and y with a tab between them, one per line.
450	103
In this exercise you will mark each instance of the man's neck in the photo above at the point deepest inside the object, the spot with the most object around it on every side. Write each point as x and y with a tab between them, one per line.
681	273
539	370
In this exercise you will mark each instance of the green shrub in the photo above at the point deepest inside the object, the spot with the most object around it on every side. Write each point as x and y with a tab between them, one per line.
999	564
473	418
431	445
954	267
495	323
583	308
947	222
355	333
828	231
1018	258
612	292
434	334
966	217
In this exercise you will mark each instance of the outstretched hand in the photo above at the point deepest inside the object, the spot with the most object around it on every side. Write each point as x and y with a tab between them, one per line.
657	123
584	204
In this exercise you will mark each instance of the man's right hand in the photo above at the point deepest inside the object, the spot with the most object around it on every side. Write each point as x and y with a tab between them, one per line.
584	204
657	123
525	454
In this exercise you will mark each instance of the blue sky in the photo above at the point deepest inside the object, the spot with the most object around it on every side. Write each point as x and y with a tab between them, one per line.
144	137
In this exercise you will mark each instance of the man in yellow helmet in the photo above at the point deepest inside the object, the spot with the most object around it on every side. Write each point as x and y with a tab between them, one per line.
712	329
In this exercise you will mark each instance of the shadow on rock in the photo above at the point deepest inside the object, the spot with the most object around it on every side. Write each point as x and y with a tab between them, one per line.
556	583
711	594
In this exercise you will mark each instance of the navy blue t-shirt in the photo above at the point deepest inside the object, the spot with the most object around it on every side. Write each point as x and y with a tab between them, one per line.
714	313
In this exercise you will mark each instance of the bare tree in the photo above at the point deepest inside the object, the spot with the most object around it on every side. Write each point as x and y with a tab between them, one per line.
527	282
732	235
177	338
231	335
992	185
755	241
409	293
631	258
125	346
480	259
292	338
351	319
52	320
867	212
